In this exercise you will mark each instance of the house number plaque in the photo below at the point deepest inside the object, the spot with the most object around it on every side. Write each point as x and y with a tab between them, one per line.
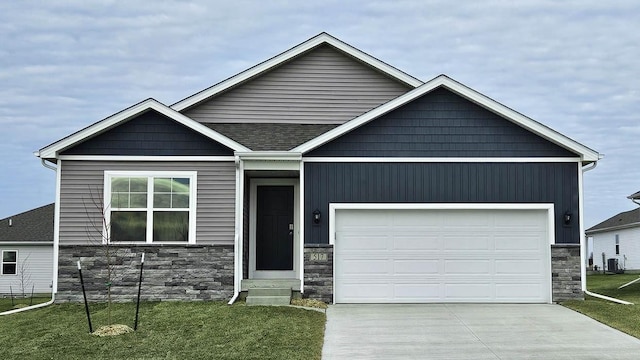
316	256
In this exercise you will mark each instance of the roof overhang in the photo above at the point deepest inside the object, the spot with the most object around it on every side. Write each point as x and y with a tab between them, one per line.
302	48
612	228
26	243
586	154
52	151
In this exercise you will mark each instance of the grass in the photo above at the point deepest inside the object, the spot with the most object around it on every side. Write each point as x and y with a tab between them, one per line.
625	318
166	330
6	304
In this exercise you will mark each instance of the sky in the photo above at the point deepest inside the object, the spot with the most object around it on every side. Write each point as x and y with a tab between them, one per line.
571	65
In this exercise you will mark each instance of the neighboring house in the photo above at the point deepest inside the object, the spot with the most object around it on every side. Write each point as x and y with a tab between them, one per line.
617	238
334	173
26	247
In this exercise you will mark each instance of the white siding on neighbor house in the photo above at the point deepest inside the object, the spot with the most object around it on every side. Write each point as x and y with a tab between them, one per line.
323	86
82	182
605	242
38	269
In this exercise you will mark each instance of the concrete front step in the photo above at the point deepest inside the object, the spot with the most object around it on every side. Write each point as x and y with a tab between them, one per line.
268	296
293	284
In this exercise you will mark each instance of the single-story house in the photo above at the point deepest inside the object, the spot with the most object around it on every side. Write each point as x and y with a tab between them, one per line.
331	173
26	251
617	238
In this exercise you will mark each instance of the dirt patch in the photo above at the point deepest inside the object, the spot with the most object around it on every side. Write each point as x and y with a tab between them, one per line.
112	330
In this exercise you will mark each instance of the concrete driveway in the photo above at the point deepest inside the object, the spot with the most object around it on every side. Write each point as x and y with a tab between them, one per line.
470	331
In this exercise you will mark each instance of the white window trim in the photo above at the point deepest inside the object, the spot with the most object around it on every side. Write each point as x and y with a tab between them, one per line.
193	186
10	262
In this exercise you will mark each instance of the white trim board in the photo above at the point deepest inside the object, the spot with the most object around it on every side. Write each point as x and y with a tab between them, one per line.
52	151
586	154
320	39
440	159
144	158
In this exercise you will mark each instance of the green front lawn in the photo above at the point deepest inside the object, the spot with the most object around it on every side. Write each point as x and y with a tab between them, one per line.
166	330
625	318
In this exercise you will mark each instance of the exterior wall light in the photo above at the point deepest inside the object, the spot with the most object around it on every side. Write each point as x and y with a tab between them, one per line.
316	216
567	217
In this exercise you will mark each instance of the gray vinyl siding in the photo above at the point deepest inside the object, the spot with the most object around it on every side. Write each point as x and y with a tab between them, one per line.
323	86
555	183
38	269
83	180
150	134
441	124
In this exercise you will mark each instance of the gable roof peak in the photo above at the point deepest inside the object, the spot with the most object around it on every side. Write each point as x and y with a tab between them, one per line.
321	39
586	154
53	150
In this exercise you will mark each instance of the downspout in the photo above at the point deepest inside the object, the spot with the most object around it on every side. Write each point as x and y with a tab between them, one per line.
236	240
9	312
55	270
584	283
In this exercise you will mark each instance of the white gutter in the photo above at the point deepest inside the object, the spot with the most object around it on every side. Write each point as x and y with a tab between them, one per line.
607	298
9	312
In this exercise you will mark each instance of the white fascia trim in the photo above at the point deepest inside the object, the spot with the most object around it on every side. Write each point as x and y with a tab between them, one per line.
269	155
549	207
318	40
26	243
52	150
144	158
441	159
612	228
586	153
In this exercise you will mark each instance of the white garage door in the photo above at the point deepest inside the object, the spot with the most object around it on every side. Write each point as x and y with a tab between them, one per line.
418	256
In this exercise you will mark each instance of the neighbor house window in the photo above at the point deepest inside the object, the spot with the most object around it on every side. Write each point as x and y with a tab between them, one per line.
9	262
150	206
617	244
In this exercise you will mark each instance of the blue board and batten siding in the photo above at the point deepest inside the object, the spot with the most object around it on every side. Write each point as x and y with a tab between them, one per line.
555	183
150	134
442	124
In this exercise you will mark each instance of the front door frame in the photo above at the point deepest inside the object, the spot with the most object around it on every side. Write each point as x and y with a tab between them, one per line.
253	205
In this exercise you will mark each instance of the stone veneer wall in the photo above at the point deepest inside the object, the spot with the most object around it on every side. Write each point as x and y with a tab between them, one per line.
318	274
565	272
171	272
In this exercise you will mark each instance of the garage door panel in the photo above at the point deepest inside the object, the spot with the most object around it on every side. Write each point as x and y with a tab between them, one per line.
469	291
504	292
511	242
466	241
468	267
416	267
520	267
417	292
415	242
357	242
442	256
356	266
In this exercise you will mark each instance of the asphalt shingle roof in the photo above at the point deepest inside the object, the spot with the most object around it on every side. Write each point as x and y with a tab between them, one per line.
270	136
634	196
622	220
32	225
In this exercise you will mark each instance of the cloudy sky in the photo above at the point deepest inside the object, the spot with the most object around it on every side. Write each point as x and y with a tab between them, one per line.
572	65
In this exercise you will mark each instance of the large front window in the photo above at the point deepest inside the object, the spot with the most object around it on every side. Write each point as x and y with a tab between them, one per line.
150	207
